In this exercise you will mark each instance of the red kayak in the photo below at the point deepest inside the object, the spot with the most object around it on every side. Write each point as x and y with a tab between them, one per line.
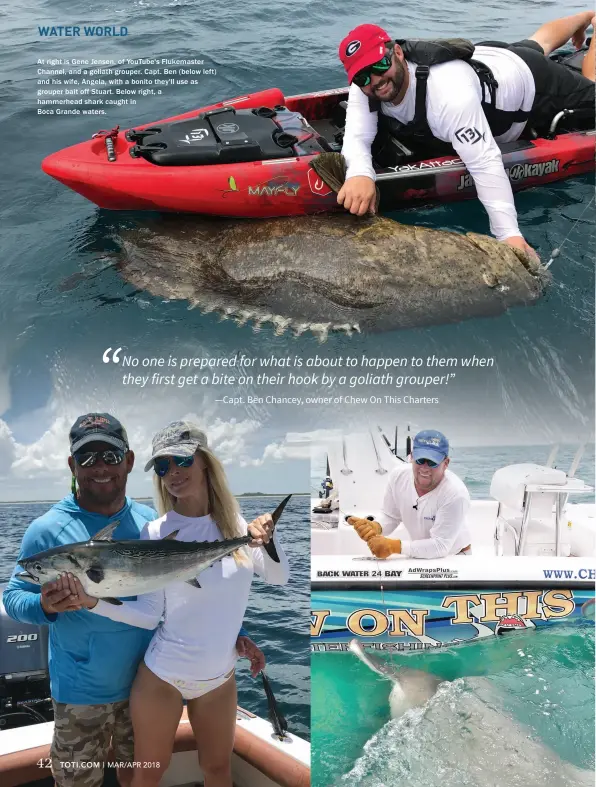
250	157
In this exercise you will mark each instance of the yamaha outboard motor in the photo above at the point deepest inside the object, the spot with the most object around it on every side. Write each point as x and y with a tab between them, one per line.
24	677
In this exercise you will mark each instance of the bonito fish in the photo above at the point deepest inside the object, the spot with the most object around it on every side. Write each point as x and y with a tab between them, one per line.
108	568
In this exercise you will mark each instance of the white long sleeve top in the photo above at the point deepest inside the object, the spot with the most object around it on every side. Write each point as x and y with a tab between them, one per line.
436	521
455	115
197	628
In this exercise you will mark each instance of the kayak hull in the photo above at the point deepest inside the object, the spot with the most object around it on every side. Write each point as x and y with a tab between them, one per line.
289	186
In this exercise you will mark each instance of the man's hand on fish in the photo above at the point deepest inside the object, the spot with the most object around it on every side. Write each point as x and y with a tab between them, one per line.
247	649
260	529
364	527
358	195
77	591
517	242
382	547
58	597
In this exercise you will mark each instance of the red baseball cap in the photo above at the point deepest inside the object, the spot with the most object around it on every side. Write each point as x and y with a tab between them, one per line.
363	46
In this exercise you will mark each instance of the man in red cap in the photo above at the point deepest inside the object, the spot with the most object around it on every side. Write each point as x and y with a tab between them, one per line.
461	101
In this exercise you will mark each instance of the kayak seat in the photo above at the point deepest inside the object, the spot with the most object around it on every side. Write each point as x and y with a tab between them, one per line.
227	135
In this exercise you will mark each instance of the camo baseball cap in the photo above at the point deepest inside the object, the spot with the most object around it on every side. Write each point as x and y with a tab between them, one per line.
180	438
97	428
430	444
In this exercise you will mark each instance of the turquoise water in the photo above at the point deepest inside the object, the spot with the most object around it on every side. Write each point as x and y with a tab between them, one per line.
508	705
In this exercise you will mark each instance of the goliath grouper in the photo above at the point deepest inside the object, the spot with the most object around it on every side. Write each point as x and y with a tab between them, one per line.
329	272
108	568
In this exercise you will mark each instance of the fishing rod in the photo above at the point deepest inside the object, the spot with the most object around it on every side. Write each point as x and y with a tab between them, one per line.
380	469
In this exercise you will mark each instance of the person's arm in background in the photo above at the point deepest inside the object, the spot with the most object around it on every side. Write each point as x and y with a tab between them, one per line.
29	603
358	194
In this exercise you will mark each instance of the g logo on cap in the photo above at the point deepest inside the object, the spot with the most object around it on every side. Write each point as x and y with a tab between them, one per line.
352	48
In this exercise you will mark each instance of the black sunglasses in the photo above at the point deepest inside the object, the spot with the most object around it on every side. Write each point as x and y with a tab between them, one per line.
161	465
362	78
429	462
89	458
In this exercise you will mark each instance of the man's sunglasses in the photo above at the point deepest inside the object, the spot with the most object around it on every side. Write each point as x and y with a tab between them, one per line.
429	462
161	465
89	458
362	78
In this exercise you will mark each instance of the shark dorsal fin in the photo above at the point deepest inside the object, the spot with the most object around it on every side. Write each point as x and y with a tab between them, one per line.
105	534
171	536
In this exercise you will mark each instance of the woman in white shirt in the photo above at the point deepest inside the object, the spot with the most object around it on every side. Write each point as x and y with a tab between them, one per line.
193	653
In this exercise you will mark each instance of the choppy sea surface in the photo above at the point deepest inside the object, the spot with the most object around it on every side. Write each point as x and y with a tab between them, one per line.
508	714
63	301
277	618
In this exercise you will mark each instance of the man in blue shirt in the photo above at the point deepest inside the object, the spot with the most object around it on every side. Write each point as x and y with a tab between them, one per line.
92	660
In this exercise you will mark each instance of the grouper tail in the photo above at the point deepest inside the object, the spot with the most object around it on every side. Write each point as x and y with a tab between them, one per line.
332	168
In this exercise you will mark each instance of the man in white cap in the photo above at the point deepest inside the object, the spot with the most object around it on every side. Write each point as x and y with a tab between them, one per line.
430	501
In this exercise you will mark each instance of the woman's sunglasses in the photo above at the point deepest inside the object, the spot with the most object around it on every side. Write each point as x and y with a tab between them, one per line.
89	458
161	465
362	78
429	462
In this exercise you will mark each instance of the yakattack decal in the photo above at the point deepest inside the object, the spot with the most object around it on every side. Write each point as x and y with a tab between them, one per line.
519	172
420	165
318	185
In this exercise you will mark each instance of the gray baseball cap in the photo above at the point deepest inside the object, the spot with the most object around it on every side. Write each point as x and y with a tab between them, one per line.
180	438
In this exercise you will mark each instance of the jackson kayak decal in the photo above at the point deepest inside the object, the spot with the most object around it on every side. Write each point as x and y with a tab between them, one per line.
414	619
519	172
318	185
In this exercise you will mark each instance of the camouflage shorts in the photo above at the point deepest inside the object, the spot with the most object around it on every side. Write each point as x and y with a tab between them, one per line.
84	736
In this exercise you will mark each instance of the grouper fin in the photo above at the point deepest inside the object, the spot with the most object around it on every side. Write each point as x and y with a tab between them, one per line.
270	547
171	536
193	583
116	602
332	168
105	534
95	574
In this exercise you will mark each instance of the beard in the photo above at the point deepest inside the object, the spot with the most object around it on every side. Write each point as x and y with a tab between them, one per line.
102	495
396	83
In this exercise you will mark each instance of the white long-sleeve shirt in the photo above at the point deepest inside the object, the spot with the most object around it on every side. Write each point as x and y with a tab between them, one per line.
454	114
436	521
196	638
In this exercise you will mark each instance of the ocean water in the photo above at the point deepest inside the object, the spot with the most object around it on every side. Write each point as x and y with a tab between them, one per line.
63	301
508	714
475	466
276	618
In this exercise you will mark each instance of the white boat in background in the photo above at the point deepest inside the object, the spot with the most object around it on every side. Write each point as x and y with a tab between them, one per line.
261	758
530	512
